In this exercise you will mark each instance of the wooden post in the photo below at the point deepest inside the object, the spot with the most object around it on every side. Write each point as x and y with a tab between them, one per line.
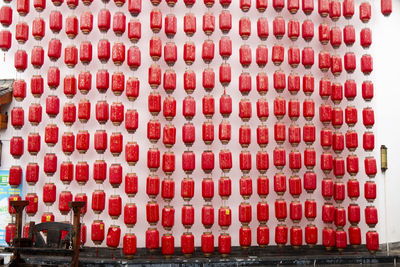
76	208
19	206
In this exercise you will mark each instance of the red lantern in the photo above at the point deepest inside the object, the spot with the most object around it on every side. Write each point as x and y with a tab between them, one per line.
129	245
50	164
366	64
224	217
37	58
294	56
208	79
310	209
281	235
97	232
155	20
328	213
262	28
167	245
168	217
262	212
386	7
17	118
114	206
207	189
63	202
187	189
98	201
132	153
224	187
278	54
207	216
6	15
118	83
279	156
353	212
32	173
119	23
71	26
10	231
293	29
372	240
11	210
55	21
118	53
307	32
82	172
188	134
279	107
168	163
113	236
245	213
32	207
371	216
245	237
167	189
365	12
189	24
5	40
207	243
225	160
130	215
296	239
310	181
280	210
82	197
38	28
66	172
103	51
261	56
152	212
153	159
262	161
131	184
152	186
71	56
263	186
134	30
262	235
20	60
86	22
99	171
15	176
311	234
225	105
187	216
82	141
341	240
340	217
354	236
244	136
115	175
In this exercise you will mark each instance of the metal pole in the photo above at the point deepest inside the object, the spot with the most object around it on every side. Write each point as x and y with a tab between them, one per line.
384	166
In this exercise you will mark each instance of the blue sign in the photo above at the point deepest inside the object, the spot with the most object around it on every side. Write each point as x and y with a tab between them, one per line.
5	192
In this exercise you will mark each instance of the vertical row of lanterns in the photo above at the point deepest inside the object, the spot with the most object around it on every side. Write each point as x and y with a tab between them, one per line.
188	156
366	65
294	130
245	183
17	113
279	153
154	131
207	156
131	125
309	178
100	136
224	131
262	157
169	134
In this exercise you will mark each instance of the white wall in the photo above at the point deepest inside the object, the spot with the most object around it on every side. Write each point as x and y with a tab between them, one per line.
385	42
